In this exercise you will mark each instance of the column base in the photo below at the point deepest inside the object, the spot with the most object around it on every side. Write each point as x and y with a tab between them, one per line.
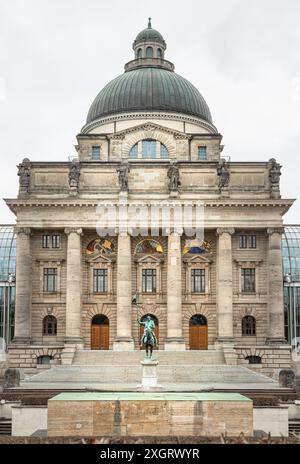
21	341
276	341
123	344
175	344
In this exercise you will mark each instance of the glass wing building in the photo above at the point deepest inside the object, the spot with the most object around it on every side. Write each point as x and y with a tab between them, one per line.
291	271
7	283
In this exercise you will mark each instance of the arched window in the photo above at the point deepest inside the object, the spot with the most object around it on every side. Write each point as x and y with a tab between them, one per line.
139	53
254	359
149	52
149	149
159	53
249	326
49	325
198	319
44	359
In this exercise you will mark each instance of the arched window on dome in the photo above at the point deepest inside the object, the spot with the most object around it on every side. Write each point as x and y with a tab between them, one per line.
139	53
159	53
149	52
149	149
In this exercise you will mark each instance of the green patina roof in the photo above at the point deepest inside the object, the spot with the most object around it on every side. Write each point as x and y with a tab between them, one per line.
149	89
149	35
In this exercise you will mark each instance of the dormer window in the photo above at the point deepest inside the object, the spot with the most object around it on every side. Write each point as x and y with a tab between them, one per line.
96	152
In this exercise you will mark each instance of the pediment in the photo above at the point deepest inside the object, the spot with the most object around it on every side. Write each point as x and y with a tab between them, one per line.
149	259
197	259
148	127
101	259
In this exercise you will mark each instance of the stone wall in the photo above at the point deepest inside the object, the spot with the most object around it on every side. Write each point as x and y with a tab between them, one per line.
272	358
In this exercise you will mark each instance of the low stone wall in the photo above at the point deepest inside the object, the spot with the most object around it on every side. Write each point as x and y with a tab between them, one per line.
271	420
25	356
272	358
28	419
154	414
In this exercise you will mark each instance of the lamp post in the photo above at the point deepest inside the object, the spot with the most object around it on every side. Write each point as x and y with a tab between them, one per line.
6	308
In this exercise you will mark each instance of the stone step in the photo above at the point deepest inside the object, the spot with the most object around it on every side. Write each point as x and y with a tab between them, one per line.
102	375
113	358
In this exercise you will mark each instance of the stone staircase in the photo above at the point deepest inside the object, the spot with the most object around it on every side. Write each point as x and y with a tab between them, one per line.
133	358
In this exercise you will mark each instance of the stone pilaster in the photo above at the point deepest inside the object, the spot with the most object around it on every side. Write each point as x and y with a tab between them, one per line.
224	285
275	296
124	340
23	287
174	341
74	287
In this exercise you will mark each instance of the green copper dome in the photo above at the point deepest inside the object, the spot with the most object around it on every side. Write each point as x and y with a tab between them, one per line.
149	84
149	89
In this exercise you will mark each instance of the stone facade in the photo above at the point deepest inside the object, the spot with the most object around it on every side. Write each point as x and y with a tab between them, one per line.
63	199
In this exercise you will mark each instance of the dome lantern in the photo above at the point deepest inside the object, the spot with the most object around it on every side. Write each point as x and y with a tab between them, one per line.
149	43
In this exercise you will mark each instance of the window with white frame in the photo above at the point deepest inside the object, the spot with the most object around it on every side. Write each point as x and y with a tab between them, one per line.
248	280
100	280
149	280
198	280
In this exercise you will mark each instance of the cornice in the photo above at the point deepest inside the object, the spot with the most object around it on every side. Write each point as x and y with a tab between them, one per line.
148	127
150	115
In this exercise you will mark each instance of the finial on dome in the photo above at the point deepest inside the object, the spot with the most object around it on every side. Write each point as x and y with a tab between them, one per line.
149	23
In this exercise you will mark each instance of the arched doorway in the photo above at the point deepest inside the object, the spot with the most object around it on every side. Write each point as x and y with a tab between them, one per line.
100	333
156	330
198	332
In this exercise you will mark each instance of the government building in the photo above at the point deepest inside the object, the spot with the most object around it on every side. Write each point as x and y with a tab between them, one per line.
149	140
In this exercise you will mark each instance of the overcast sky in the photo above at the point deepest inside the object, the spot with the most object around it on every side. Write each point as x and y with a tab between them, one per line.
243	56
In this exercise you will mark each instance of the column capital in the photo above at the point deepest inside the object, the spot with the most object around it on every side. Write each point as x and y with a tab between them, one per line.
177	231
275	230
73	230
225	230
23	230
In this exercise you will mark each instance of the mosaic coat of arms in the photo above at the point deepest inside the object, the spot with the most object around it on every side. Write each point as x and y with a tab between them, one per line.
100	246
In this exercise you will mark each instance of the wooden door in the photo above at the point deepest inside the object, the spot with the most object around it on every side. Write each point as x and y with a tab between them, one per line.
100	337
156	331
198	337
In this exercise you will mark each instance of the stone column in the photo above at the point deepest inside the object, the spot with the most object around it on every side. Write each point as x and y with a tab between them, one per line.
174	341
275	295
23	287
124	340
224	285
74	287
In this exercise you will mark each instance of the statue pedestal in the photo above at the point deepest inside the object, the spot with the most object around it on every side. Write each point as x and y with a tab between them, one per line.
149	376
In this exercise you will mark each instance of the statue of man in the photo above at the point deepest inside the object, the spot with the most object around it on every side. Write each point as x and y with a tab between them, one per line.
74	174
174	176
149	327
123	170
274	172
224	174
24	174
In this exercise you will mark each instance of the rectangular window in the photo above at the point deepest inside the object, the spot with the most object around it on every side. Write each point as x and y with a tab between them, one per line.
198	280
149	149
46	241
56	241
202	155
252	242
149	280
96	153
248	280
50	280
100	284
243	241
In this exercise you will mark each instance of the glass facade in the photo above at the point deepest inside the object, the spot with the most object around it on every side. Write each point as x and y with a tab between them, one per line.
7	283
291	271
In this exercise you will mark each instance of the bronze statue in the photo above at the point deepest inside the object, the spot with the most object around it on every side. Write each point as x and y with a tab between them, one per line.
24	174
174	176
148	338
123	170
224	175
74	174
274	172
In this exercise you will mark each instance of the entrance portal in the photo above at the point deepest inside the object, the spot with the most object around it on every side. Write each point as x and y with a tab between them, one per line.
156	330
100	333
198	332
